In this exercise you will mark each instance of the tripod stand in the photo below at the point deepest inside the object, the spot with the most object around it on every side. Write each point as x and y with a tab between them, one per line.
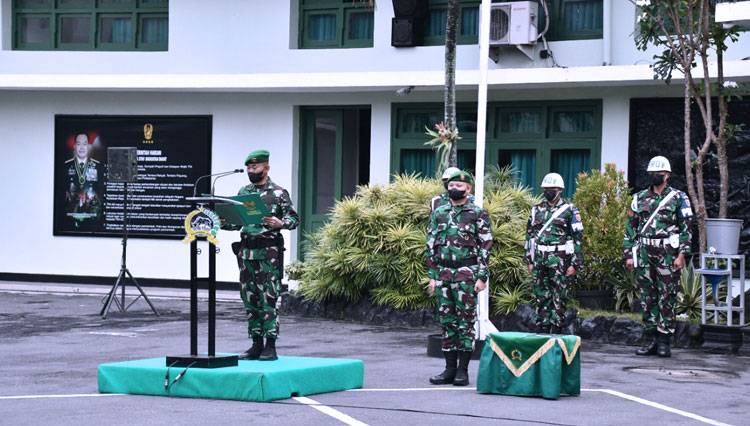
112	296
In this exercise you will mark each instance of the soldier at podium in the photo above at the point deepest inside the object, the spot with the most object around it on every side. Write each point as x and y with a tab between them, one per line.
260	257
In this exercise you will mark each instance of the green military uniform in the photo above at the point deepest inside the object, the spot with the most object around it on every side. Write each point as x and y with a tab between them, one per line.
459	240
260	256
552	252
654	250
85	186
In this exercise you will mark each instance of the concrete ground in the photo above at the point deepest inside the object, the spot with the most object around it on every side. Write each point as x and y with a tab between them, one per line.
52	340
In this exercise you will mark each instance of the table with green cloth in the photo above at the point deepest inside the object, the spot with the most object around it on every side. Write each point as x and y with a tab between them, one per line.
530	364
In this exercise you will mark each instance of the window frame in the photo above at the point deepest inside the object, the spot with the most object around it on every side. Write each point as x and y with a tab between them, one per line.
343	10
95	11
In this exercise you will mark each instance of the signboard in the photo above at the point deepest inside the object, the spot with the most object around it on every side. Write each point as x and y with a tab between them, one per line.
172	152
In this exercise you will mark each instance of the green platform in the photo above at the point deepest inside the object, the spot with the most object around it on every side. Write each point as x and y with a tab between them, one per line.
249	381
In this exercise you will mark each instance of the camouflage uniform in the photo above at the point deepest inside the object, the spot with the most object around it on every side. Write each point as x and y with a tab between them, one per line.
555	250
459	240
443	198
260	258
667	235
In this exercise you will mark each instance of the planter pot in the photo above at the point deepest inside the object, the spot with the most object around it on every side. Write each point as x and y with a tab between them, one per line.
723	235
595	299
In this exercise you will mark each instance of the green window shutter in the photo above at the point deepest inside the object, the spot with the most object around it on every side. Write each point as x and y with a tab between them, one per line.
568	163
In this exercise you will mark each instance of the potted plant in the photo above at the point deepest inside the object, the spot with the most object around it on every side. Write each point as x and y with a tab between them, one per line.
603	198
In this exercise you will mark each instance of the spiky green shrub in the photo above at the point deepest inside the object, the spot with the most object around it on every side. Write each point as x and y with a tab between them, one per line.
374	243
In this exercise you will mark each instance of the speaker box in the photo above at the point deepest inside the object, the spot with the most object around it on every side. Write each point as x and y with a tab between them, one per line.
411	8
407	32
122	164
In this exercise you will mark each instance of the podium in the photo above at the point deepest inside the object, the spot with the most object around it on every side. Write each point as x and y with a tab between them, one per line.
529	364
210	359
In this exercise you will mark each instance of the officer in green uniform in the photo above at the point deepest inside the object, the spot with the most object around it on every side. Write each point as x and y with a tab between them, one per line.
553	253
260	257
84	185
459	240
657	237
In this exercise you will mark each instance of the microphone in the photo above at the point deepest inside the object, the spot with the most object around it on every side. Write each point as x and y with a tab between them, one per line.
218	175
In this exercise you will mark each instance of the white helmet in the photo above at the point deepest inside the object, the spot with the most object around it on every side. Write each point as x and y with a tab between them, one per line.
553	180
659	164
449	172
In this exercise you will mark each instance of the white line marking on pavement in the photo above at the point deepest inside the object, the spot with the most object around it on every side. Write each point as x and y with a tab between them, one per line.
659	406
79	395
413	389
338	415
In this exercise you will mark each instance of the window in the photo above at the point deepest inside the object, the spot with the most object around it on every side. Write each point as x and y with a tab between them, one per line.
573	19
90	24
534	137
468	23
335	23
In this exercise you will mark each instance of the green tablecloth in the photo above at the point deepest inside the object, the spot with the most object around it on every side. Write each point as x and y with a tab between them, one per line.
530	364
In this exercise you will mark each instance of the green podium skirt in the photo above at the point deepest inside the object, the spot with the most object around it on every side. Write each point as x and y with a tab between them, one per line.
530	364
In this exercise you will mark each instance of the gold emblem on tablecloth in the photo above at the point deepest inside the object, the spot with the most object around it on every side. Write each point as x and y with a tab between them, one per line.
516	354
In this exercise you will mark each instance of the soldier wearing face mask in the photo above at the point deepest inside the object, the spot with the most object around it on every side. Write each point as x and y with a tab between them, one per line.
553	253
459	240
657	237
260	257
443	198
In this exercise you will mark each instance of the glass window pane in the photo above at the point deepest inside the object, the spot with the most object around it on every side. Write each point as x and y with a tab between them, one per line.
415	122
583	15
521	122
573	122
325	164
470	21
361	25
34	3
116	30
321	27
466	122
435	25
35	30
420	161
75	30
523	160
568	163
155	30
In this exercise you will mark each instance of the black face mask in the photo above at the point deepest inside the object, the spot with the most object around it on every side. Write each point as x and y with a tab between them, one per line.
456	194
657	179
550	194
255	177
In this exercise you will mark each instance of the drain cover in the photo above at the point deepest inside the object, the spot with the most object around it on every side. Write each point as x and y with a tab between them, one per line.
683	373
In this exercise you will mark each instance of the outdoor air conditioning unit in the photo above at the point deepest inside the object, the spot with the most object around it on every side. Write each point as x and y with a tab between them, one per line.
514	23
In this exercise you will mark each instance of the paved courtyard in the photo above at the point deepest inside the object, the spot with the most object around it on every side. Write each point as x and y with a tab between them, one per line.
51	345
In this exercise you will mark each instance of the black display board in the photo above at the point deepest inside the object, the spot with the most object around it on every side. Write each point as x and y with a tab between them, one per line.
173	151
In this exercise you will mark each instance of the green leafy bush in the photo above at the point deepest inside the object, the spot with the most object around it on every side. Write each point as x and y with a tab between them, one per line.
374	242
604	201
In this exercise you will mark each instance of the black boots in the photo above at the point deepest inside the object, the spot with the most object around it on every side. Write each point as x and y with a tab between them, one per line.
447	376
649	344
462	372
269	352
662	341
254	351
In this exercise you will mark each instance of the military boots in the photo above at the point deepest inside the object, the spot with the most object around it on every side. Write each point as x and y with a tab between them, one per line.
649	344
462	372
254	351
447	376
269	352
663	350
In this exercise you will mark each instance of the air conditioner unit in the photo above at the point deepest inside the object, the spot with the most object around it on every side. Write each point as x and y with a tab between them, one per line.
513	23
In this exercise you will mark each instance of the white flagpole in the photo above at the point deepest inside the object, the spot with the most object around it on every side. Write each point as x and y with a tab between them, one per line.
484	326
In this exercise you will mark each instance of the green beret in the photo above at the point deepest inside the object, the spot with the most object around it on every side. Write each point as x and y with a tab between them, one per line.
461	176
257	156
